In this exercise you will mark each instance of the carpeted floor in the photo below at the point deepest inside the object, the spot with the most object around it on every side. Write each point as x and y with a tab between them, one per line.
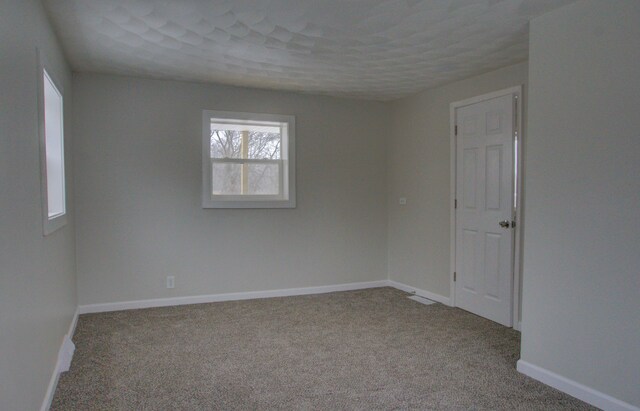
369	349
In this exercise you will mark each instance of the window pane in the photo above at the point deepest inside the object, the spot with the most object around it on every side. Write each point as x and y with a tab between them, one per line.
264	145
225	143
263	179
226	178
249	160
54	148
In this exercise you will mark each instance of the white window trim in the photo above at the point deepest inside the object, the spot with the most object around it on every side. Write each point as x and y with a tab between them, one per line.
49	224
247	201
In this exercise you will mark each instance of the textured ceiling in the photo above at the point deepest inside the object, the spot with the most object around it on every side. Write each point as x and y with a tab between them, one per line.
374	49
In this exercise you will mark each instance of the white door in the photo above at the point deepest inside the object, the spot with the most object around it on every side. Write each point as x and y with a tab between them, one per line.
485	211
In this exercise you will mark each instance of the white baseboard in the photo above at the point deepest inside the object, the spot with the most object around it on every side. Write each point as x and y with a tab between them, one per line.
212	298
65	355
286	292
575	389
422	293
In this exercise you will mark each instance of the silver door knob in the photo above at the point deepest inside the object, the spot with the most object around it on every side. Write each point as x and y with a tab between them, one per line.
504	223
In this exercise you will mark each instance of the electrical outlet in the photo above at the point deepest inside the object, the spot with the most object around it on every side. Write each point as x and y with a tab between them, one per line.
171	281
402	201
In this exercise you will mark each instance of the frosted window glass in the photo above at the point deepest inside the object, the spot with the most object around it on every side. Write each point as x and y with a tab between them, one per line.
54	147
226	178
264	179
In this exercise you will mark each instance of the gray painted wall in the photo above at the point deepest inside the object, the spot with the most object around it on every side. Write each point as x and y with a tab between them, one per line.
37	274
419	169
582	255
138	190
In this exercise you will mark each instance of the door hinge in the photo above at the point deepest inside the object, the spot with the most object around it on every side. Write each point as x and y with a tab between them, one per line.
455	130
454	276
455	203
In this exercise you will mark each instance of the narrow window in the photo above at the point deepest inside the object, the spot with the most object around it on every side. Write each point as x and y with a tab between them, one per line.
248	160
52	154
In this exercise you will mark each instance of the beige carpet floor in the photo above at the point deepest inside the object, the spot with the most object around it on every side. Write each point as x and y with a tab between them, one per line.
370	349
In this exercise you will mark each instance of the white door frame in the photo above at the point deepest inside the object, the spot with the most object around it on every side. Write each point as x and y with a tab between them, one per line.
517	93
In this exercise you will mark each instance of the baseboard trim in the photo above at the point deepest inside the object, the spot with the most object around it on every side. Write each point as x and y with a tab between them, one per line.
65	355
213	298
422	293
573	388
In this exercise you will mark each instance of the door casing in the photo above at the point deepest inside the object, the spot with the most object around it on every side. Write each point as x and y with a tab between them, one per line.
516	92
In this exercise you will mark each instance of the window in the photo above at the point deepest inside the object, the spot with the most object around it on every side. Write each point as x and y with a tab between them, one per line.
54	213
248	160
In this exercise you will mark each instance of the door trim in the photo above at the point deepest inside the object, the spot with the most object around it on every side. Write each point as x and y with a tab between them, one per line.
516	92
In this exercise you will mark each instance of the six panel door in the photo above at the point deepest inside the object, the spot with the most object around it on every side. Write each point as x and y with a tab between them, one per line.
484	192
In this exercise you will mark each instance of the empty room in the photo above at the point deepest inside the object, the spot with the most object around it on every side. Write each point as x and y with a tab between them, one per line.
301	204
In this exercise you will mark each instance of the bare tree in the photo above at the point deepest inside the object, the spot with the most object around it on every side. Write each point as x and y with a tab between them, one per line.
225	144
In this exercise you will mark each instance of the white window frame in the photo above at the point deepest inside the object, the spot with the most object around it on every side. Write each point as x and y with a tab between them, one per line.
57	221
287	199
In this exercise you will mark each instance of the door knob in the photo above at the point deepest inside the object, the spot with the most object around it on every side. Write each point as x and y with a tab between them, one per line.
504	223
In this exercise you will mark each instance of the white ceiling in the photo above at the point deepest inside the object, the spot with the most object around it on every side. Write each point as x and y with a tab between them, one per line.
374	49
